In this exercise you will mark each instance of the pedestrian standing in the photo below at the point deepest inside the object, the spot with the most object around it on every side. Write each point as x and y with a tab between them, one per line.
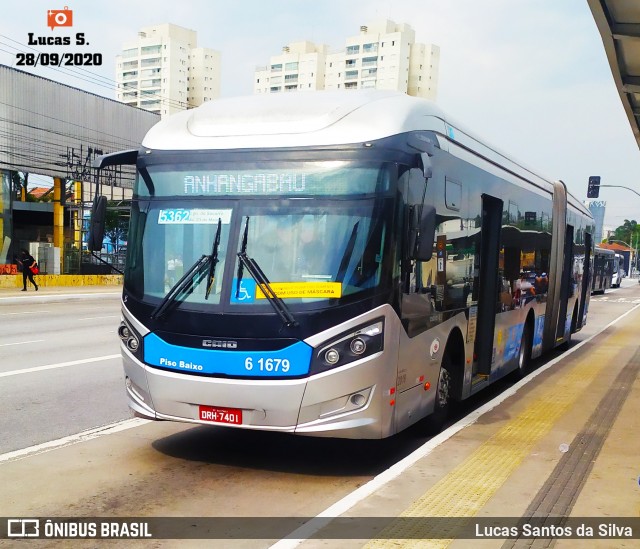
28	263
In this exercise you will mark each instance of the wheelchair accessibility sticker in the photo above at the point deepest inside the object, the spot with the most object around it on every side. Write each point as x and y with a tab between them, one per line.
246	293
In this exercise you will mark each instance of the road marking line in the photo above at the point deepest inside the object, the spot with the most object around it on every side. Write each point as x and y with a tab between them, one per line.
25	313
59	365
307	530
21	342
83	436
98	317
58	297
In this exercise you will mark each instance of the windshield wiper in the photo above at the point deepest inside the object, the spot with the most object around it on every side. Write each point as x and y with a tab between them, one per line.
194	275
261	279
214	260
243	250
348	252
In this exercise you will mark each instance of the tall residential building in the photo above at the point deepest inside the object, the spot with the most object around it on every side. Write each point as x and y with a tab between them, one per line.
164	71
300	66
597	209
384	55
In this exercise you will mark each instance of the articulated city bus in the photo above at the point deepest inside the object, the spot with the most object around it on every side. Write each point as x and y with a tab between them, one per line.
338	264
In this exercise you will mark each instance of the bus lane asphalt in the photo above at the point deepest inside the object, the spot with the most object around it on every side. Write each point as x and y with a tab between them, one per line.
60	368
163	469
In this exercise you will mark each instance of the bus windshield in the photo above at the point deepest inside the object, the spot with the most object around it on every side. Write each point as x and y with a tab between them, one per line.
314	250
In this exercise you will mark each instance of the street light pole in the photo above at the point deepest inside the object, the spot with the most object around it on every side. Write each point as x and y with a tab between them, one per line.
622	187
635	256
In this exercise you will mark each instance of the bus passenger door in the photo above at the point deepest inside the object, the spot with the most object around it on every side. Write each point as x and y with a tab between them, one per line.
487	284
565	285
586	279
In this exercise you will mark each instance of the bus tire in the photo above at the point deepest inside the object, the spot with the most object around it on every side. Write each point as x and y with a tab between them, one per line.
524	353
443	398
574	319
574	322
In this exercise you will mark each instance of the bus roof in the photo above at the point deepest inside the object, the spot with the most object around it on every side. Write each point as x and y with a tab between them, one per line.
314	118
604	251
295	119
321	118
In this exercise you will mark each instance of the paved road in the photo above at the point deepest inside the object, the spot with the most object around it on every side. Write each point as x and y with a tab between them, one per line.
60	371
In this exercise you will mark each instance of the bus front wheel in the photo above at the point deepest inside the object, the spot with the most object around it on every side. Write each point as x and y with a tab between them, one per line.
443	397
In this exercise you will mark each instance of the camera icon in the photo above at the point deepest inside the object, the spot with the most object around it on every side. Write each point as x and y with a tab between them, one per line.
60	18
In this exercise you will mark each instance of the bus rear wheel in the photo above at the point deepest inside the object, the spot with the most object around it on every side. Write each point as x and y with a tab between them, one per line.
524	353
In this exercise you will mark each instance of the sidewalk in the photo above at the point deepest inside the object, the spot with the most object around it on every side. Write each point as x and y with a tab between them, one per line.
50	294
561	449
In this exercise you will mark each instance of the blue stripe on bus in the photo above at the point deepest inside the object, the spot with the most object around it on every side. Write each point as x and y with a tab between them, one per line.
290	361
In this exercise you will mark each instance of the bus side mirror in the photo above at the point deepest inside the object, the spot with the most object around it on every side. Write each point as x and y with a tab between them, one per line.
97	224
425	146
423	235
424	163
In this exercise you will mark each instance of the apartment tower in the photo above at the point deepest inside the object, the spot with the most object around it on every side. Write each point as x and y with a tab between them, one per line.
300	66
164	71
384	56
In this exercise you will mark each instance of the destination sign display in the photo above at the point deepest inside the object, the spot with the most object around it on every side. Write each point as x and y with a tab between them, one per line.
247	183
317	179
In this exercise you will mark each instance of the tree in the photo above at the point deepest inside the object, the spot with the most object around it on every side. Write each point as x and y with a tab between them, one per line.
19	181
628	232
116	224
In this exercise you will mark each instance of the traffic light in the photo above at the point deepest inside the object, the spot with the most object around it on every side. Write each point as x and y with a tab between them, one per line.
593	190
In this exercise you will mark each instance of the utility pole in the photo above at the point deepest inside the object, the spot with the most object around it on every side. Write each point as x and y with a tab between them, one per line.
58	222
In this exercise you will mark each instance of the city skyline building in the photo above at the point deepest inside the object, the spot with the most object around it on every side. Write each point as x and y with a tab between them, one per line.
597	209
164	71
300	66
384	55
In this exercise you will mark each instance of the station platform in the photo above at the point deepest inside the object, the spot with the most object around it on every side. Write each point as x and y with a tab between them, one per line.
549	463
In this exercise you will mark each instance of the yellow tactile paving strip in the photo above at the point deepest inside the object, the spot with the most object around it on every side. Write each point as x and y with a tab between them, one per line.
468	487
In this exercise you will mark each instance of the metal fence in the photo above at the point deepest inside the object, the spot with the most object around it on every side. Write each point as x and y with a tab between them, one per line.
84	262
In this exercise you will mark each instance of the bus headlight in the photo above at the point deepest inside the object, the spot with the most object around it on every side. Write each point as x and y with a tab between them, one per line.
133	344
332	356
123	331
348	347
130	338
358	346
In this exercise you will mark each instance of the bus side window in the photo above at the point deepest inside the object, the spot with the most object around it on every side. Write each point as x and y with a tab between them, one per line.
453	268
508	275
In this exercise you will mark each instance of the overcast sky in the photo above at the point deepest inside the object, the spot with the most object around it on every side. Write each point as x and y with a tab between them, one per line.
531	77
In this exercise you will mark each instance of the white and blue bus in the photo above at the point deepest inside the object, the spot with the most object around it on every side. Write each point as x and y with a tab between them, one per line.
338	264
604	261
618	271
